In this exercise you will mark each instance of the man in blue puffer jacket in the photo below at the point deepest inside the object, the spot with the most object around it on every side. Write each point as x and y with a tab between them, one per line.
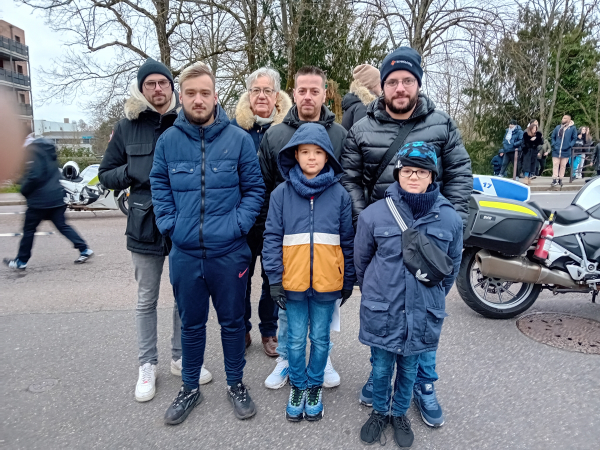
207	190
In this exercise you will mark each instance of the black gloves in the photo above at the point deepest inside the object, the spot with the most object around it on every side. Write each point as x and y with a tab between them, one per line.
346	293
278	295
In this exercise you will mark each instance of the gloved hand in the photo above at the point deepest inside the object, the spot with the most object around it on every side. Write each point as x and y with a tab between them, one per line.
278	295
346	293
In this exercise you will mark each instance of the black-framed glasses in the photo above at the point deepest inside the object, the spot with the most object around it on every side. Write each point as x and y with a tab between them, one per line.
405	172
150	85
407	82
255	92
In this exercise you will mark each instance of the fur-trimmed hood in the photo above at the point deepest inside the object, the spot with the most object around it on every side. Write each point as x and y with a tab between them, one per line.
245	117
137	103
362	92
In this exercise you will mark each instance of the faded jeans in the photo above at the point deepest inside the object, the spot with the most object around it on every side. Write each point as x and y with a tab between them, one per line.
148	271
282	336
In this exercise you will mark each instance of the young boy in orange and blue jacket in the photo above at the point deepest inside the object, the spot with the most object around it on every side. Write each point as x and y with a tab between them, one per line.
307	255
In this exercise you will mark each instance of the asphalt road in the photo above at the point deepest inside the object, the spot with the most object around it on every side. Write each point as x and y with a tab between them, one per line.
75	324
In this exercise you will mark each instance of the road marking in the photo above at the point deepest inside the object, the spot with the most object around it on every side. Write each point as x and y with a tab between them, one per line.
21	212
555	193
39	233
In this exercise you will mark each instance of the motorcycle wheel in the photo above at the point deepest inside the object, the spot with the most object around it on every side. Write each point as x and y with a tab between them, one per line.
124	204
492	297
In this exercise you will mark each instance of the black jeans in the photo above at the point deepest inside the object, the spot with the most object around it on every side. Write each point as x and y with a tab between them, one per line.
267	308
509	158
34	216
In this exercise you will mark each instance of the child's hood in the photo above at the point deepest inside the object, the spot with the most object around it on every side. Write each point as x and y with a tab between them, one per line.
307	133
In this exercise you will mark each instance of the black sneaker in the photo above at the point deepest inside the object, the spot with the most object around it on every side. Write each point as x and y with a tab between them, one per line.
182	405
243	406
403	434
373	430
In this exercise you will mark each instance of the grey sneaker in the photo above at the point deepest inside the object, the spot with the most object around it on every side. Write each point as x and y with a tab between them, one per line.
183	405
243	406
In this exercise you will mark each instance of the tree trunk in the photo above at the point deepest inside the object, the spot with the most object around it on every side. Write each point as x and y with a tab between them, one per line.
160	23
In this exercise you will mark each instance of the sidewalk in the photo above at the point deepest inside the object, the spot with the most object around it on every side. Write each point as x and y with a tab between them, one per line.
12	199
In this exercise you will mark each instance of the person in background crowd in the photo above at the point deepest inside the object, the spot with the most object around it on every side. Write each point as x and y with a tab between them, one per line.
263	106
207	191
497	162
584	139
532	140
563	140
402	105
543	153
513	137
309	97
364	89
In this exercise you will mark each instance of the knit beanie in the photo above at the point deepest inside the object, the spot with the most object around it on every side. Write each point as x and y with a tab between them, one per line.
417	154
152	66
368	76
403	58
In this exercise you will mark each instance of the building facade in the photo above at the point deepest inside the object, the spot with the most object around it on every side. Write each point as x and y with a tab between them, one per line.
64	134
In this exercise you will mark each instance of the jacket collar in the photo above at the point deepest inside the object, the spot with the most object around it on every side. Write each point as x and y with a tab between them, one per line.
377	111
136	104
327	118
210	132
245	117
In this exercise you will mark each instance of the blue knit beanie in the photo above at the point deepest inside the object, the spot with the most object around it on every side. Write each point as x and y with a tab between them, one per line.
152	66
417	154
403	58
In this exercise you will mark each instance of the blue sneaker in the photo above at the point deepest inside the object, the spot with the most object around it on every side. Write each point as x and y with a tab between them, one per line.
314	405
15	263
84	256
426	401
366	394
296	403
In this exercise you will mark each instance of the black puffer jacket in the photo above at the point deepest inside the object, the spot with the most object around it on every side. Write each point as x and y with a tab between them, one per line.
127	163
277	137
369	139
40	184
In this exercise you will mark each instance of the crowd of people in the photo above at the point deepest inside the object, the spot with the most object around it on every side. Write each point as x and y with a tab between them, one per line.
323	205
532	150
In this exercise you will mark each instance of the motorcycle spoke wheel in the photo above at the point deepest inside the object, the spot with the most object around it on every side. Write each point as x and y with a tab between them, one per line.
498	293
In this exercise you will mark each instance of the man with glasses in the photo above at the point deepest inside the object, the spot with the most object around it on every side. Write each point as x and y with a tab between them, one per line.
149	111
403	105
261	107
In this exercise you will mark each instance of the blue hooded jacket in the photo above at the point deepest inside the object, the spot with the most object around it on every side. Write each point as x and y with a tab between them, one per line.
398	313
308	242
207	188
562	145
515	140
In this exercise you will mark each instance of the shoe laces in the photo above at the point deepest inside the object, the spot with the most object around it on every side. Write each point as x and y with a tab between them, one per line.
296	395
146	373
378	422
182	396
329	367
239	392
314	395
430	401
281	364
403	423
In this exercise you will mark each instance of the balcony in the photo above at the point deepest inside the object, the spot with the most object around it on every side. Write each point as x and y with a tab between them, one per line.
13	49
25	110
9	78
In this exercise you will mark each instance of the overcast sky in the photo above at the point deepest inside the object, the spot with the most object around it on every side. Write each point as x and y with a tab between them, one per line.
44	45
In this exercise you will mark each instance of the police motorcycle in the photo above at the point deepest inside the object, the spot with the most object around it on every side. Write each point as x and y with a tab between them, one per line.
84	192
514	249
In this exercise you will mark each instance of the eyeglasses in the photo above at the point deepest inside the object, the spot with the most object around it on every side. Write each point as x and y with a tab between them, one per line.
150	85
421	173
407	82
255	92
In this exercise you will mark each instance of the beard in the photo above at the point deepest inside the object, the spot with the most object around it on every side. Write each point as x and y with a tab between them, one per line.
198	117
412	102
160	100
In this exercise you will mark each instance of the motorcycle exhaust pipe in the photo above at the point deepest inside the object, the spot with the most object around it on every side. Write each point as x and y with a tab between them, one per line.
521	270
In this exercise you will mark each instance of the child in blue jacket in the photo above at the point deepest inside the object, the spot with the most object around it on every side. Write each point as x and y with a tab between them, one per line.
307	255
400	317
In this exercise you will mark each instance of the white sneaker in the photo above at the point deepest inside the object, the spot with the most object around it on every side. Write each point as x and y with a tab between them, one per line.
145	389
177	366
331	378
279	376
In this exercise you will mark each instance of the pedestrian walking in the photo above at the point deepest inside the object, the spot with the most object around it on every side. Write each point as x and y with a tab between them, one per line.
513	138
400	316
365	88
563	140
308	248
261	107
207	191
309	97
532	140
150	110
404	114
45	197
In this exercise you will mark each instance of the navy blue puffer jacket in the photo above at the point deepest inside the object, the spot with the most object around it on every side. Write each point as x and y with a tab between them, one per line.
207	188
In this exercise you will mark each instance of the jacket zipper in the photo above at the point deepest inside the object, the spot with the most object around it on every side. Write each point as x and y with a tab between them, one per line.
202	193
311	240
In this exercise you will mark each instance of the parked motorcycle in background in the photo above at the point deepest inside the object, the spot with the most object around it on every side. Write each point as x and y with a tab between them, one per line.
84	192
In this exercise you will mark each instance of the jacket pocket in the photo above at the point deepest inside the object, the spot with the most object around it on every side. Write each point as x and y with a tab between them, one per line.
139	161
433	327
389	240
141	225
374	317
440	237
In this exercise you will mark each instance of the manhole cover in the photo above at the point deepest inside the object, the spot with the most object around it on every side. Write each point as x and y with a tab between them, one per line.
576	334
43	385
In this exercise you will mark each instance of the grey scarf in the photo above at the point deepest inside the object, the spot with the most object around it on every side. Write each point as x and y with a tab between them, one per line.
264	121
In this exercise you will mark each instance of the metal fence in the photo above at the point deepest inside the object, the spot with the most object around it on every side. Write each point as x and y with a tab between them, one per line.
588	154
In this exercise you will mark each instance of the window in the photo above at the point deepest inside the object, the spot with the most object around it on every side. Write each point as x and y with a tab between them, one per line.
18	38
21	98
1	64
20	69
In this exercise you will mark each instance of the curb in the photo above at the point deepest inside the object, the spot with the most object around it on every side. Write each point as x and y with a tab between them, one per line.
548	189
12	202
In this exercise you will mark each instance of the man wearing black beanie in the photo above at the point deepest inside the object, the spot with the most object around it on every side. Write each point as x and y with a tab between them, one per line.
368	160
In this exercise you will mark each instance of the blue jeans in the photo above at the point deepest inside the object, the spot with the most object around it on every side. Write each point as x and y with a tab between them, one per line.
406	374
300	313
282	337
426	371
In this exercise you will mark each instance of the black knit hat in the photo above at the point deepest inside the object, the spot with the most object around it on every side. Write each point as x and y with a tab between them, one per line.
417	154
152	66
403	58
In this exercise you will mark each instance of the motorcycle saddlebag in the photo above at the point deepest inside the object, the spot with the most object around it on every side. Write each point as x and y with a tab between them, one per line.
502	225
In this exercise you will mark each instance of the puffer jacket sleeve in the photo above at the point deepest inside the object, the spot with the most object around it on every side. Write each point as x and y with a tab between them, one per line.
35	171
364	248
455	253
162	195
112	172
352	163
518	141
457	174
268	168
272	252
252	186
347	242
